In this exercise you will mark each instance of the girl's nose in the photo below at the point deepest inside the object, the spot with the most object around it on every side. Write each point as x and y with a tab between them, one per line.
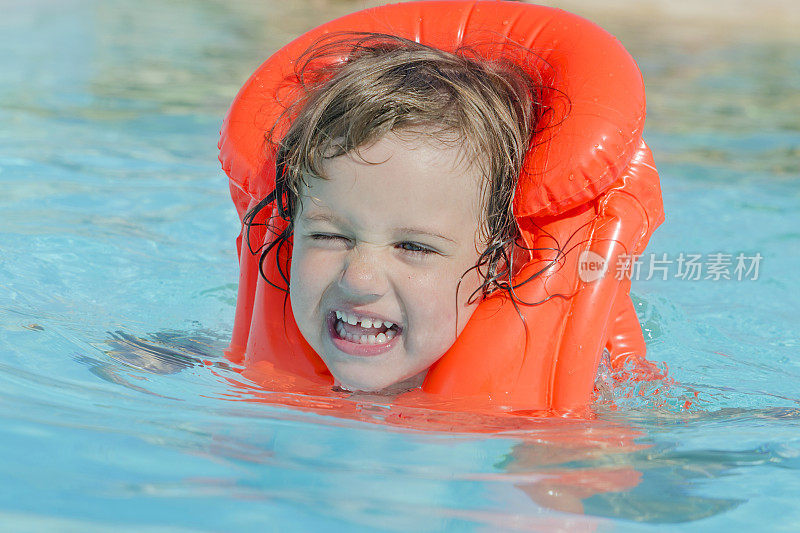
363	275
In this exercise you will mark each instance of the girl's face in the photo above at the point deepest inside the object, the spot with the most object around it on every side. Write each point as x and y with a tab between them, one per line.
379	248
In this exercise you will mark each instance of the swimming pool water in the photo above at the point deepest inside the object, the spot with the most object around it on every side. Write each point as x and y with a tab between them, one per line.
118	282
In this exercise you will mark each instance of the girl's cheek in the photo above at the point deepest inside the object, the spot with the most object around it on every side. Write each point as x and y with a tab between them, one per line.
303	274
433	296
314	268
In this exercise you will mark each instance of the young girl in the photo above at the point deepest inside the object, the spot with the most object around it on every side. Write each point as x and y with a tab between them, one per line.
423	204
396	178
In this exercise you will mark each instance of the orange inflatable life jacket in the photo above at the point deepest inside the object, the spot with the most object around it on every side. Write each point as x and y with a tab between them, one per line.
591	184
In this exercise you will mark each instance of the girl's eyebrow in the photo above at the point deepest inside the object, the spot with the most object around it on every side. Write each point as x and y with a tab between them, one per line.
406	230
321	217
420	231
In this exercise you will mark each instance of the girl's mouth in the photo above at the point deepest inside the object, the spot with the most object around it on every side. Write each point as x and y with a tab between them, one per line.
361	334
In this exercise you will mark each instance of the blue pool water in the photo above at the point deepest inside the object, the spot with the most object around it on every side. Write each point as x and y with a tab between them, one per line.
118	281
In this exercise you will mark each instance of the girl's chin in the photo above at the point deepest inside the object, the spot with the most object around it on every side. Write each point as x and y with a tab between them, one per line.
382	389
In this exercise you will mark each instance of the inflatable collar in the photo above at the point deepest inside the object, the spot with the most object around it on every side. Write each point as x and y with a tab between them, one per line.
590	186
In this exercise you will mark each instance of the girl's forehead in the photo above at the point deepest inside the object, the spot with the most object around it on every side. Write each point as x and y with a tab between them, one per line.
412	166
394	182
425	141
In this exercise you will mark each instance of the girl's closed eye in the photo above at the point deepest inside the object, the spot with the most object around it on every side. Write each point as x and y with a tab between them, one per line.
326	236
333	239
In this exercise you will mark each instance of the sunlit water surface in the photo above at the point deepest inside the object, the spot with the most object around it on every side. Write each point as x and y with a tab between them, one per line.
118	281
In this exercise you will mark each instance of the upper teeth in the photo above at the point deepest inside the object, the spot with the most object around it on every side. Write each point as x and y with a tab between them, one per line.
364	321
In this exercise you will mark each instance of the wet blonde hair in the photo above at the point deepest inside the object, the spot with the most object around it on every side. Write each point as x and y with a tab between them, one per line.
351	89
